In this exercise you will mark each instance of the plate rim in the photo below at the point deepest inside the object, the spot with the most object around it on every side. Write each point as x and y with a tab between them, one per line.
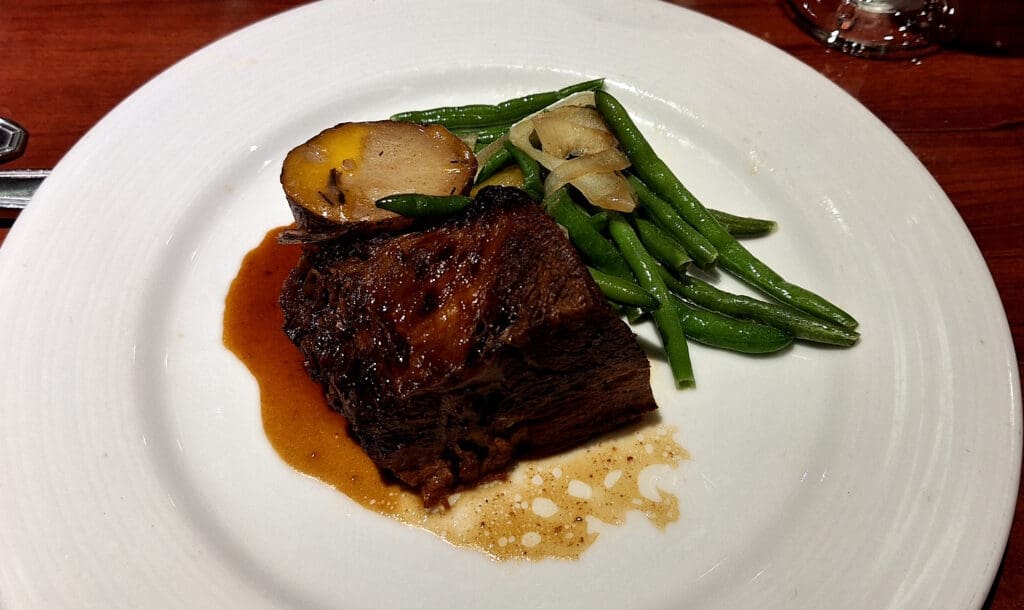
19	248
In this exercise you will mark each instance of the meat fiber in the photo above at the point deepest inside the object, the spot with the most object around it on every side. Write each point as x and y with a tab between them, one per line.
456	347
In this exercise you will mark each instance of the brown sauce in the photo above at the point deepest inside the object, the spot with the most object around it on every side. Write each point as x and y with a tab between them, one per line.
550	508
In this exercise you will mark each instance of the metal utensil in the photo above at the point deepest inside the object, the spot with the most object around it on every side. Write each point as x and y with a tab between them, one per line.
12	140
18	185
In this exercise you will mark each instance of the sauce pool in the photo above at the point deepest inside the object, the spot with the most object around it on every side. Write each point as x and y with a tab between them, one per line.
308	435
549	508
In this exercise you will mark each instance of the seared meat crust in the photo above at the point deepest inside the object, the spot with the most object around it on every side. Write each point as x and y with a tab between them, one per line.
461	344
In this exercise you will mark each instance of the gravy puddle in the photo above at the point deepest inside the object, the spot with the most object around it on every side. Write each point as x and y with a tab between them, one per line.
547	508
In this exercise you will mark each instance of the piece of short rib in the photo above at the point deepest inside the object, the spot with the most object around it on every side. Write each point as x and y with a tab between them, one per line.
456	347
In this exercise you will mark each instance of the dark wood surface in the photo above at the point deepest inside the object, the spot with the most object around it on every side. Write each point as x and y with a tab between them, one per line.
66	64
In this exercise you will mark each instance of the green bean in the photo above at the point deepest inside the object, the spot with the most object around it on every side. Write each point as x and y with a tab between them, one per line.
695	244
600	220
743	226
737	226
732	255
414	204
645	268
479	116
532	183
717	330
635	314
789	319
622	291
498	160
484	136
661	245
593	246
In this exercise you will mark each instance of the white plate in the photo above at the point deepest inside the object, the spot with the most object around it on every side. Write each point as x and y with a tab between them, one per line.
135	471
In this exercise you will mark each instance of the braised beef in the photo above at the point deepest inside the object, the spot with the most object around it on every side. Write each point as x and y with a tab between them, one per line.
462	344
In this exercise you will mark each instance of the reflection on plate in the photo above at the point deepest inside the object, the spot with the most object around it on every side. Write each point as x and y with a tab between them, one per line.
136	470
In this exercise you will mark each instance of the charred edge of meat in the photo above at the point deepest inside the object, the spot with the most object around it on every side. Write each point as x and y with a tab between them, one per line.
460	344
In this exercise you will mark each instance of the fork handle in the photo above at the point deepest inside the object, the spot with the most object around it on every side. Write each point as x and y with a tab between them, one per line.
18	185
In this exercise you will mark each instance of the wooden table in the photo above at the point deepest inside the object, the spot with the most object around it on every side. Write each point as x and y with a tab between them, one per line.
66	64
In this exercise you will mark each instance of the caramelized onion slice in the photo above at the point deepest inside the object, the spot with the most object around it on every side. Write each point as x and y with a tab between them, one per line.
596	177
608	160
573	132
521	136
608	190
582	99
575	145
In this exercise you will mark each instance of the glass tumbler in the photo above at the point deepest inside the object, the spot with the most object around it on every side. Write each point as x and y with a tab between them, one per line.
875	27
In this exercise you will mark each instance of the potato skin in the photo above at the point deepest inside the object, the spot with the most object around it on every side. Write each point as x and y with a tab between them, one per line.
333	180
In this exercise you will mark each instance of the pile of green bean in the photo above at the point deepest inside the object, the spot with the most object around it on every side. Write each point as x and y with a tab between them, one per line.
640	260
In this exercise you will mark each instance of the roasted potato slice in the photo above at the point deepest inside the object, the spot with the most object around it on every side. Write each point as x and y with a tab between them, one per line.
334	179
